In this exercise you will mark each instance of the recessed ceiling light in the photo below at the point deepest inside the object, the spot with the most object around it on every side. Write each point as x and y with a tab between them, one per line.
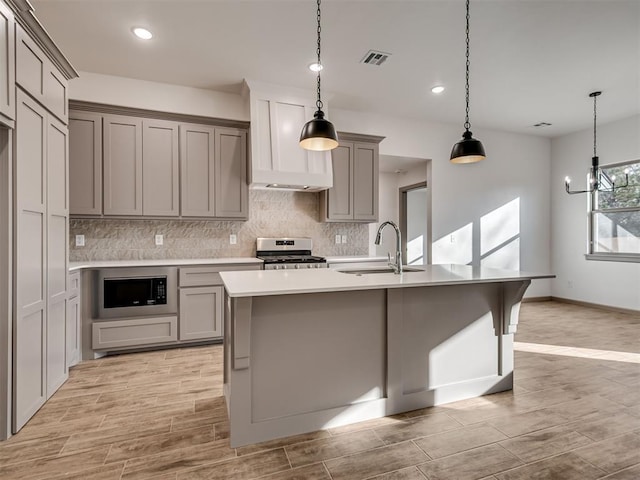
437	89
142	33
315	67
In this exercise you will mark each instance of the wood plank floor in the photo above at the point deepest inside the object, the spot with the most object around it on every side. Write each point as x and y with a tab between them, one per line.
574	414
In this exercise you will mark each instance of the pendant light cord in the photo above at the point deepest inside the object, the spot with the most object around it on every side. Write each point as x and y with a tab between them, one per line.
467	125
594	125
318	101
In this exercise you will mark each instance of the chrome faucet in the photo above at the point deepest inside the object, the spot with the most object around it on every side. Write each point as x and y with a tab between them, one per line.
397	266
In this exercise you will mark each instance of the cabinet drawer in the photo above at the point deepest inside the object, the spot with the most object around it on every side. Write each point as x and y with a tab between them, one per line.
74	285
134	332
37	75
210	275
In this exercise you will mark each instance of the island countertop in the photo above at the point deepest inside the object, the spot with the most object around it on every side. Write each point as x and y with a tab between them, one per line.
284	282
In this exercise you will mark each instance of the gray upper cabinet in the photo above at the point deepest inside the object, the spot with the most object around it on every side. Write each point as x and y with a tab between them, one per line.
197	165
231	196
122	165
339	198
365	182
85	163
160	185
354	195
137	166
37	75
7	65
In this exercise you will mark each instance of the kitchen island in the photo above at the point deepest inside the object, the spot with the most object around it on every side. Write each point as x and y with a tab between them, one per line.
313	349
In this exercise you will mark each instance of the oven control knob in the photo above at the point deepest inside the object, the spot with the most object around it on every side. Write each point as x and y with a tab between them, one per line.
297	266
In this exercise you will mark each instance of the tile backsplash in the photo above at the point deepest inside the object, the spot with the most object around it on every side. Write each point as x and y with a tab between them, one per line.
271	214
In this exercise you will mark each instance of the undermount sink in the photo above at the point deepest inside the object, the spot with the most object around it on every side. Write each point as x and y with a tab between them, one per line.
366	271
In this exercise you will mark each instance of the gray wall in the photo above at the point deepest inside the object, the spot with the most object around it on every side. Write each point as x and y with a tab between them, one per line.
271	214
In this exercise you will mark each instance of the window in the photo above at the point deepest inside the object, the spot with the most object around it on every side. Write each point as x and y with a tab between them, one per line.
615	215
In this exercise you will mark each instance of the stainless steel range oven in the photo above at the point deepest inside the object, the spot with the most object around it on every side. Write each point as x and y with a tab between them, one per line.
135	292
288	253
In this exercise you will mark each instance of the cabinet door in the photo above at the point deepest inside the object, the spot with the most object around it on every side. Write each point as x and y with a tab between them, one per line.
200	313
36	74
122	137
73	331
57	240
340	197
197	171
365	182
160	168
30	321
231	173
7	63
85	163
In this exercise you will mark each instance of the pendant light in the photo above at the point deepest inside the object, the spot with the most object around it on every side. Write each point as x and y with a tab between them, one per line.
598	180
318	134
467	150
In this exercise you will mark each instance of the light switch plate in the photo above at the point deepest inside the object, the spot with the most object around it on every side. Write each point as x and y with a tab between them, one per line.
338	239
233	239
344	239
159	239
79	240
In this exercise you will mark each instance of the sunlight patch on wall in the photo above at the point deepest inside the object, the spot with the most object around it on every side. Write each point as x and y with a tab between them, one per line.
499	226
507	257
415	251
500	237
455	247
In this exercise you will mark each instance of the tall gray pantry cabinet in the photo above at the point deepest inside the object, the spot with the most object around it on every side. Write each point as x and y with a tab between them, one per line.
40	212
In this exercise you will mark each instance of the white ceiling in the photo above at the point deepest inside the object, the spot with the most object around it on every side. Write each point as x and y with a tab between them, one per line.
531	60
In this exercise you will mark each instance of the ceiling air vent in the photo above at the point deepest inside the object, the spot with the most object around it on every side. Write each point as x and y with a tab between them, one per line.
374	57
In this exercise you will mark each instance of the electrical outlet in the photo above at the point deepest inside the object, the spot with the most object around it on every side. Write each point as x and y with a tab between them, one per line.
233	239
338	239
344	239
159	239
452	238
79	240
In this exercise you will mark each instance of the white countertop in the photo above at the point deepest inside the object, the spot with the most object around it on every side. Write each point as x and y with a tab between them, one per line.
164	263
282	282
355	259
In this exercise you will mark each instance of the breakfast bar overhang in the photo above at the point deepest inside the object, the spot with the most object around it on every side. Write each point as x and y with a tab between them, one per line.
307	350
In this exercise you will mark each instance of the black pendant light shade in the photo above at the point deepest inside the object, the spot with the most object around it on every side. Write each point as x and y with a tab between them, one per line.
318	134
467	150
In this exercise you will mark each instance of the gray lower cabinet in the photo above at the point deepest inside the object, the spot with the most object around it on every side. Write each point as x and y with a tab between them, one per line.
74	320
134	332
354	195
41	248
201	313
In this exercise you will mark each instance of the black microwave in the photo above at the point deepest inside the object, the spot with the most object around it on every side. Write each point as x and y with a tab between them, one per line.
134	292
138	291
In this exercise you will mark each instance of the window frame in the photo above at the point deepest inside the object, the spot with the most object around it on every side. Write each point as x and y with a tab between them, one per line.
593	200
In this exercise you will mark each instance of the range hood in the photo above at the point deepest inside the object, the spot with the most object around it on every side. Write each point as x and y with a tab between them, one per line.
277	160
